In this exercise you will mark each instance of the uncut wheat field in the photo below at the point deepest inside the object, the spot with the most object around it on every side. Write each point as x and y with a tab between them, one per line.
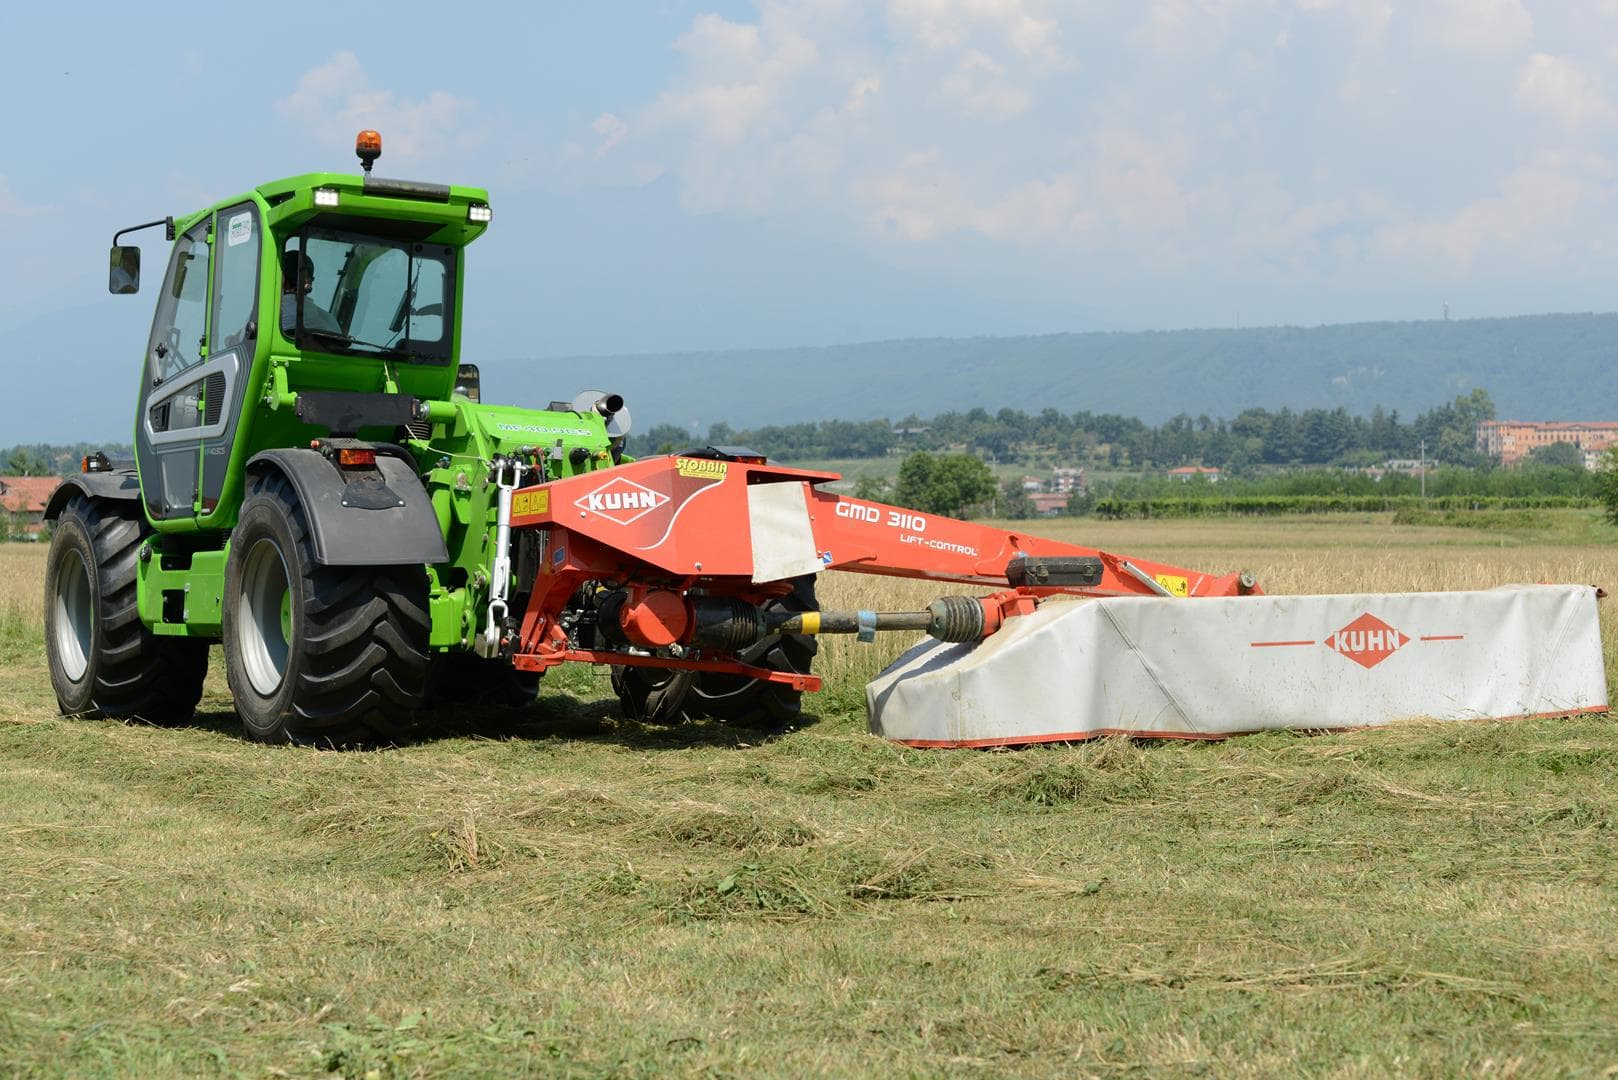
560	892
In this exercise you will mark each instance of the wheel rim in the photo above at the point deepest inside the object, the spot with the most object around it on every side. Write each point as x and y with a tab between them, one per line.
264	630
75	615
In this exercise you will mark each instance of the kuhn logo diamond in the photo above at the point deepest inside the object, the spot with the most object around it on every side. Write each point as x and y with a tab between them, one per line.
1367	641
622	501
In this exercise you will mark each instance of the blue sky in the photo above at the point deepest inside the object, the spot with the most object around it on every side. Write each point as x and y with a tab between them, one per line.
673	175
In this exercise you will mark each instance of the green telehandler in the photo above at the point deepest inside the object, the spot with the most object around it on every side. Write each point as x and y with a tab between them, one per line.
316	482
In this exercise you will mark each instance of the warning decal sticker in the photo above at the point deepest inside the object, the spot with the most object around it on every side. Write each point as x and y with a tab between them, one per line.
240	228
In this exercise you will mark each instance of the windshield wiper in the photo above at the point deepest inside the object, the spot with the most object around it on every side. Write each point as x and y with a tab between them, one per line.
389	350
330	335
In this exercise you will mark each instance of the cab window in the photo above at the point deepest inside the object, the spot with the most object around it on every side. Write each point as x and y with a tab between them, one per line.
179	326
235	276
368	295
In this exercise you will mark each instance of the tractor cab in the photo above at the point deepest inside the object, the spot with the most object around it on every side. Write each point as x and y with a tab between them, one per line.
323	282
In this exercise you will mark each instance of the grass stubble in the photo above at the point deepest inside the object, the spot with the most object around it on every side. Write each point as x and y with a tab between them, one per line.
562	892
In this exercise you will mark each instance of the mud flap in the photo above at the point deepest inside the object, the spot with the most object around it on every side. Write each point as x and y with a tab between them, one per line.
366	529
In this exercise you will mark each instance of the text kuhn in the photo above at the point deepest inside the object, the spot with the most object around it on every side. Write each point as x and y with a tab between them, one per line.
1363	641
622	500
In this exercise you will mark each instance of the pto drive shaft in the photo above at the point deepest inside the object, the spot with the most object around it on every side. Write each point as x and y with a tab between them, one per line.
656	618
949	618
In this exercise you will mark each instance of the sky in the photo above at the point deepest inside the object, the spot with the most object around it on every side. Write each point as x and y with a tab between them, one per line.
673	176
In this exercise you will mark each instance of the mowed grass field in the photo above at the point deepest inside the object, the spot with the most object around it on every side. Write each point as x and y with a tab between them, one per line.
560	892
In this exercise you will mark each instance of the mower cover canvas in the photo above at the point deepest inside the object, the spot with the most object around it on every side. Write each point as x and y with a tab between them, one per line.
1205	669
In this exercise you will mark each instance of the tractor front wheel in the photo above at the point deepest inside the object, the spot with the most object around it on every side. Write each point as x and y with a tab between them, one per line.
322	655
739	700
652	695
103	659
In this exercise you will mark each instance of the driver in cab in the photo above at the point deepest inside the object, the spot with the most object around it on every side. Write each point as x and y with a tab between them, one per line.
315	317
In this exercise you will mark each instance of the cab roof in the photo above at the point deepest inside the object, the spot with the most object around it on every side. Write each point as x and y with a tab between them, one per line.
436	213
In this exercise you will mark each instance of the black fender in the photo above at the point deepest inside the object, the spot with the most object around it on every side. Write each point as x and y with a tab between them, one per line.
400	535
119	485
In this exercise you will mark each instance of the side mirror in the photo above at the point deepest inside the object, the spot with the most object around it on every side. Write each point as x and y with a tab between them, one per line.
123	272
466	382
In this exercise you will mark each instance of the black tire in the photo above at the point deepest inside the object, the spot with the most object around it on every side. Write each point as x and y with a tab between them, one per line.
652	695
739	700
460	678
320	655
103	659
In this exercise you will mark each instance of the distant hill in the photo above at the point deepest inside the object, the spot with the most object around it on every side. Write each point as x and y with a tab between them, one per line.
1534	367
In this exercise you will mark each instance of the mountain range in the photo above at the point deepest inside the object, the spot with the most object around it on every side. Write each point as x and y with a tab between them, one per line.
1538	367
1550	367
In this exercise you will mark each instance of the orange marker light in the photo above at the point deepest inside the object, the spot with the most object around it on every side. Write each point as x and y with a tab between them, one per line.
351	458
368	145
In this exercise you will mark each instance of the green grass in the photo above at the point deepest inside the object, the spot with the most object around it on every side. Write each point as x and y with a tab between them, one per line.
559	891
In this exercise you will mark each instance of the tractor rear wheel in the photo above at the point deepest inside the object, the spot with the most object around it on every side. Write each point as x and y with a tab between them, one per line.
103	659
322	655
653	695
746	702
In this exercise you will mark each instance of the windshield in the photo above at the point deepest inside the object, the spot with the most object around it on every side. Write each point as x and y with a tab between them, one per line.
366	295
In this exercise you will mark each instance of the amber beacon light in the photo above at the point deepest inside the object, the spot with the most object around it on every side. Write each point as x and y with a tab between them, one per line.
368	145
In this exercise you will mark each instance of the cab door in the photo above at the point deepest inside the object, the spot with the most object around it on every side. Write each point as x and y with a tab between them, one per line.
233	330
200	350
171	408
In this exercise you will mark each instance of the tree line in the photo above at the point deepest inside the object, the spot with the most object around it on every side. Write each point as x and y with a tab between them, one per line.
1255	437
961	485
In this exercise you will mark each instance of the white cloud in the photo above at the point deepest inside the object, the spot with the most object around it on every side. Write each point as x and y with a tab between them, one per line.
1533	219
1084	139
1479	26
740	71
1139	178
1560	88
336	100
1185	26
980	85
1367	21
951	24
612	131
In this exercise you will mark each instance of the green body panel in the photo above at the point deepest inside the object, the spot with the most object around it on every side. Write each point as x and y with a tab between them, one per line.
201	589
454	461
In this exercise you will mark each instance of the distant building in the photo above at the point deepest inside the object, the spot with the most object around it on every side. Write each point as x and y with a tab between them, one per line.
23	499
1187	473
1509	441
1048	503
1067	481
1032	484
1408	466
